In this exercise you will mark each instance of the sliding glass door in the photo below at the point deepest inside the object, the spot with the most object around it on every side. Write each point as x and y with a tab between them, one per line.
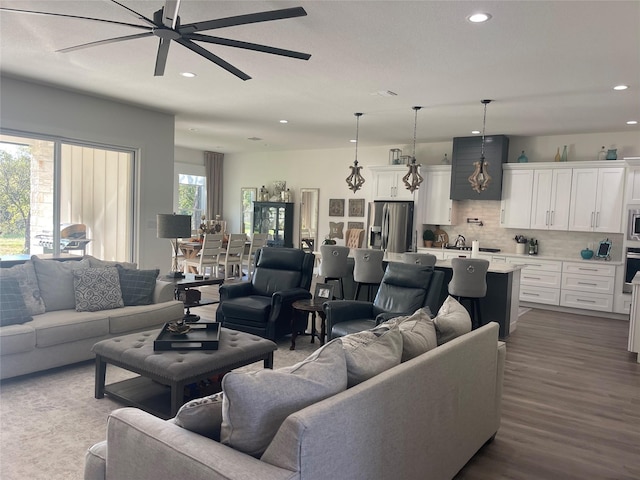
60	197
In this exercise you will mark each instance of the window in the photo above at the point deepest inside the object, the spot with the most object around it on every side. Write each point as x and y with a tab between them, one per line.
192	198
87	191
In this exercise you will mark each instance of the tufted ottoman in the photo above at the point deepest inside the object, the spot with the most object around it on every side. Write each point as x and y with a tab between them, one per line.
164	374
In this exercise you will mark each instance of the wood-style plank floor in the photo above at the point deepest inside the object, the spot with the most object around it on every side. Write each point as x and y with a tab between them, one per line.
571	403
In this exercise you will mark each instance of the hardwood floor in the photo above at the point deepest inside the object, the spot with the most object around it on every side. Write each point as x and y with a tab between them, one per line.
570	406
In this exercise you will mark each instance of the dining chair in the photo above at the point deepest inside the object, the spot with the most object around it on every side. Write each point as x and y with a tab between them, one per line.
258	240
209	255
231	259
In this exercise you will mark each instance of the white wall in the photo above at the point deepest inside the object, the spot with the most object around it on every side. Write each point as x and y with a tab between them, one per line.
33	108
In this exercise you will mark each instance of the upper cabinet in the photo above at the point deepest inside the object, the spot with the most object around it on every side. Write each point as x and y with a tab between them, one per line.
387	184
596	200
466	151
550	200
515	207
435	206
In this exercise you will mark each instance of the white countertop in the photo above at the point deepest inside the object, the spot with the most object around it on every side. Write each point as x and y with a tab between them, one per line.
494	267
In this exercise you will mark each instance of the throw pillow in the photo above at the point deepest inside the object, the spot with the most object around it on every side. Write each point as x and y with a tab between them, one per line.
55	280
256	403
25	275
137	286
452	320
202	416
371	352
418	332
97	289
12	308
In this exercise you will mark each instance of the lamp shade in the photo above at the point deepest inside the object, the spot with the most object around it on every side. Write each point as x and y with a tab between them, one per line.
171	225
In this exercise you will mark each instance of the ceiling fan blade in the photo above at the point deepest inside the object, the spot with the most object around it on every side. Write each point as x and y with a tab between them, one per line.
170	13
161	58
31	12
136	14
249	46
105	42
214	58
243	19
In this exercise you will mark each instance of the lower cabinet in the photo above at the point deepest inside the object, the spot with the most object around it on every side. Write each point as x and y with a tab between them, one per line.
588	286
539	280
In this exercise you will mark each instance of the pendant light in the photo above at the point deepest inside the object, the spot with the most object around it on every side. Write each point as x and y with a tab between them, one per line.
413	179
480	178
355	180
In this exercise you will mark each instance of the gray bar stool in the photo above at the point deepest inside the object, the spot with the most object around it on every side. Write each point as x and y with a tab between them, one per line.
367	269
424	259
469	282
334	265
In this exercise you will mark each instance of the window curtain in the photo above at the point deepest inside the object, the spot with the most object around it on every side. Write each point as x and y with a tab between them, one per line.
213	167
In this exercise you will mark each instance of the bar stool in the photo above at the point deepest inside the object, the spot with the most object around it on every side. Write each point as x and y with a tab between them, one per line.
469	282
367	269
334	265
424	259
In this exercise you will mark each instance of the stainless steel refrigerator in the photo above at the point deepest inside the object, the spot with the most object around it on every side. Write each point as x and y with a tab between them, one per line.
390	226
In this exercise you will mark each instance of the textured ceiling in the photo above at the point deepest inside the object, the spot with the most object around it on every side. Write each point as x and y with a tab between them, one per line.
548	66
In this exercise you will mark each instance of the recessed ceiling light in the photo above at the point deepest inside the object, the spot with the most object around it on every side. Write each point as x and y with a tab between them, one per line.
632	122
254	139
479	17
284	121
188	74
475	132
353	140
193	129
621	87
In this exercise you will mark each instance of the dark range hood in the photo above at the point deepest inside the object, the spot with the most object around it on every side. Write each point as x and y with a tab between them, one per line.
466	151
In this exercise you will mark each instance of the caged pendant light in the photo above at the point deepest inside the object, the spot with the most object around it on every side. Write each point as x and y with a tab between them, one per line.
413	179
355	180
480	178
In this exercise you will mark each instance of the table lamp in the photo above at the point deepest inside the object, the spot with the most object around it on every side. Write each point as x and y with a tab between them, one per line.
174	227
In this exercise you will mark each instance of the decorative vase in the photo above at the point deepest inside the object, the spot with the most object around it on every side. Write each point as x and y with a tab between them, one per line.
564	154
428	243
557	159
602	154
612	154
522	158
586	253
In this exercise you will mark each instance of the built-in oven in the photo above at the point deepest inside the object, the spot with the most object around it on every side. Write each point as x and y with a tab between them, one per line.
633	224
631	267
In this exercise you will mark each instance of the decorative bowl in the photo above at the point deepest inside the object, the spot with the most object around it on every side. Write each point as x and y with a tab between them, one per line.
586	253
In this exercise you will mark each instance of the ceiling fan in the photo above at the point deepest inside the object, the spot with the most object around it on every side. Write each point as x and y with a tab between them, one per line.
166	26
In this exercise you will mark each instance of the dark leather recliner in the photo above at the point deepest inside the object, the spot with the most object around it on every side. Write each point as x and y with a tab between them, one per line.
404	289
263	305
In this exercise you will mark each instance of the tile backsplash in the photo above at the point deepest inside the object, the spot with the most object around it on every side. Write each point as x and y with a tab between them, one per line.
491	235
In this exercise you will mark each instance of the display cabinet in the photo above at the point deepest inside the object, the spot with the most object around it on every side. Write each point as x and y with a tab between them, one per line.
276	220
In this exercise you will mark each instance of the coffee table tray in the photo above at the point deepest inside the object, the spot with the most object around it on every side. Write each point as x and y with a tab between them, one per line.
203	336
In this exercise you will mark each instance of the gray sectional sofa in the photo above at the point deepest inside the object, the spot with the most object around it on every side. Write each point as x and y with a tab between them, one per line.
42	326
421	418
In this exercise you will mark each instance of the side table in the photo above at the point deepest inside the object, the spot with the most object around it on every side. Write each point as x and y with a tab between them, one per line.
310	306
184	284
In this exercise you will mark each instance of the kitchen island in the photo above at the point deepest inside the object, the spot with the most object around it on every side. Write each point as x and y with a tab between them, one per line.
501	304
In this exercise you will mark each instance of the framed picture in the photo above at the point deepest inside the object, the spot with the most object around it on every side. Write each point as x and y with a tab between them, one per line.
336	207
353	225
335	229
324	291
356	207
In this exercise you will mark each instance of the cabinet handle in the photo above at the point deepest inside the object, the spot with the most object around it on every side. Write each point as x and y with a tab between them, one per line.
589	284
583	300
531	294
502	216
588	269
449	213
592	215
532	278
546	218
553	217
597	219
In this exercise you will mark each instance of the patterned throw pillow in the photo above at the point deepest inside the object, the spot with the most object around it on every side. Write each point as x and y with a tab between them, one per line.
202	416
97	289
25	275
452	320
137	286
12	308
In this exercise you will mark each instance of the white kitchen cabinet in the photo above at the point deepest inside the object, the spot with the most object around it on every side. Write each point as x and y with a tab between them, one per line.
387	184
588	285
436	208
515	207
550	199
596	200
540	280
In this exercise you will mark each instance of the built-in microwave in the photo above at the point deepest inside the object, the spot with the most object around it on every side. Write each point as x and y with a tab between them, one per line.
633	226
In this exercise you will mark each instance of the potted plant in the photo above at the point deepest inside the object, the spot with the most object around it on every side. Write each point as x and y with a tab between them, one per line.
428	237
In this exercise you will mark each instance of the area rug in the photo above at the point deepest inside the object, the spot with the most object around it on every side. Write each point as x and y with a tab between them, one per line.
49	419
